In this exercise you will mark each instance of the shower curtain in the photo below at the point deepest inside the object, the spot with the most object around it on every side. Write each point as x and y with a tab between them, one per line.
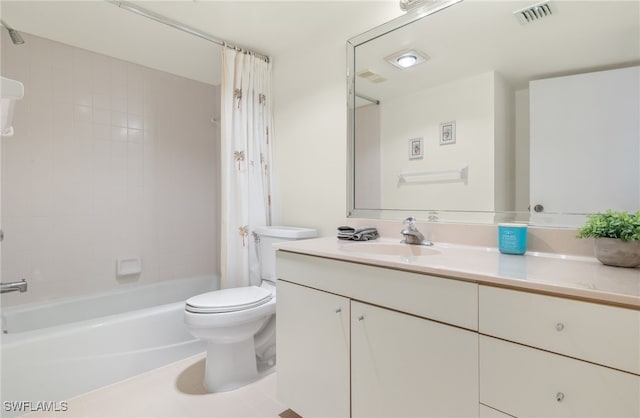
246	123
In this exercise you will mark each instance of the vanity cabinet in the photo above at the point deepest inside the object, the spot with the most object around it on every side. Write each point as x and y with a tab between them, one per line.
365	341
398	362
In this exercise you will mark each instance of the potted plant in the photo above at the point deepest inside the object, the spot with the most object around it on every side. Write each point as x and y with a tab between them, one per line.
617	237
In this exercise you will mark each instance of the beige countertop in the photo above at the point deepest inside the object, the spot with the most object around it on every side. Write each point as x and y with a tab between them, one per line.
568	276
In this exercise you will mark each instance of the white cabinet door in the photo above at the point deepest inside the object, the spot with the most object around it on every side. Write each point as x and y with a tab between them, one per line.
406	366
312	329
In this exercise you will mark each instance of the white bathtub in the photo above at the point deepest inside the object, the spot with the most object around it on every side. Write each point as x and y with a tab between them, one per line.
50	356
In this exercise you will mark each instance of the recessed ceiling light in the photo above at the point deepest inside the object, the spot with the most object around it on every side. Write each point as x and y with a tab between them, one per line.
407	58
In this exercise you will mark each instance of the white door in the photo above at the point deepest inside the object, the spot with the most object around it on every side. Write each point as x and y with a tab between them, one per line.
585	142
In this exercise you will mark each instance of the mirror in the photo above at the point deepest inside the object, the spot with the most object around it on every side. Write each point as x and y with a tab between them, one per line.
501	119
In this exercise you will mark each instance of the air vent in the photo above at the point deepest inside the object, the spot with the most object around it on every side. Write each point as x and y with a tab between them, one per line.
534	13
409	4
371	76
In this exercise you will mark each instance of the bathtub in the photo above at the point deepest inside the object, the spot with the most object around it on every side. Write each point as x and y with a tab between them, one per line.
48	355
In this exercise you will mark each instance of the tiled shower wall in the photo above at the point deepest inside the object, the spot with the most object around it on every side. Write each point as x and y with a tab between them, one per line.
109	159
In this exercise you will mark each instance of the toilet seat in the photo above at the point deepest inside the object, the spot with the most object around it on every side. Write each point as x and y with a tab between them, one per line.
228	300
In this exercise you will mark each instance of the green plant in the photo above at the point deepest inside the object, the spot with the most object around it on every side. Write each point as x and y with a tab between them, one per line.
622	225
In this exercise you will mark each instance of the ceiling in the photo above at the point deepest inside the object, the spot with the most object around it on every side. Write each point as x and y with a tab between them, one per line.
271	28
474	37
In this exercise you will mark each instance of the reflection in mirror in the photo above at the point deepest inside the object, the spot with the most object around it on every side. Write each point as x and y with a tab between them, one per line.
499	118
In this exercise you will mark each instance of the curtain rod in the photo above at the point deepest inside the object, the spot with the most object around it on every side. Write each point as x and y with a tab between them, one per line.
125	5
367	98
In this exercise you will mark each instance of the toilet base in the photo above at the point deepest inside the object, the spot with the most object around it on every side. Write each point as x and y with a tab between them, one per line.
233	365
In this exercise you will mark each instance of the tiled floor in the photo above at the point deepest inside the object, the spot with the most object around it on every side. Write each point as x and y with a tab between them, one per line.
175	391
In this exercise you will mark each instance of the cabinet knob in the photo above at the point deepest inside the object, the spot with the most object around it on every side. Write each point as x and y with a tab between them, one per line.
559	396
361	318
559	326
338	310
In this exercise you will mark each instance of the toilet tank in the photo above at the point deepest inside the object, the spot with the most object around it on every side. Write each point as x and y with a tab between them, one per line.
270	235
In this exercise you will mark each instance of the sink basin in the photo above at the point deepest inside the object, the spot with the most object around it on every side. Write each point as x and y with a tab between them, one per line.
378	248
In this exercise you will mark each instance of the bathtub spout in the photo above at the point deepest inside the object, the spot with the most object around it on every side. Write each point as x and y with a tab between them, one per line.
20	286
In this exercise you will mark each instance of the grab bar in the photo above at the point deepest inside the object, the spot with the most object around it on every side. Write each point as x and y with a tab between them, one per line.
20	286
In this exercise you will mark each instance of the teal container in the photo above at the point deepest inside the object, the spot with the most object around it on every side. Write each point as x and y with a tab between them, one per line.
512	238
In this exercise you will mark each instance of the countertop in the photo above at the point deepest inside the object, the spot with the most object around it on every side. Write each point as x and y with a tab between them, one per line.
584	278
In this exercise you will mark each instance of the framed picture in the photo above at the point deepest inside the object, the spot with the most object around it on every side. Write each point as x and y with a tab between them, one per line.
415	148
448	133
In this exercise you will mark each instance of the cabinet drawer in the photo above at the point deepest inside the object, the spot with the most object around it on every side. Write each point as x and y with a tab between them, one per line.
601	334
445	300
525	382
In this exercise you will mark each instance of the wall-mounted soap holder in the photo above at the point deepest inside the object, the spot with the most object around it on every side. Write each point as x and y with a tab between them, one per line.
128	266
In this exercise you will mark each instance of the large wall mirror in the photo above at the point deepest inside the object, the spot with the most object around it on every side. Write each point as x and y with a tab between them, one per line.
511	111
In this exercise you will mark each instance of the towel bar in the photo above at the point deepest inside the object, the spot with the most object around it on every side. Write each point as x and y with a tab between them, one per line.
461	173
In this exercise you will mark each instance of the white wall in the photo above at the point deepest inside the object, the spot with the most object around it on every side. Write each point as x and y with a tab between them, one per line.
310	136
110	159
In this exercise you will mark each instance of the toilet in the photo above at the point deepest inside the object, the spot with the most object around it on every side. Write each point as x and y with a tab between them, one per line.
238	324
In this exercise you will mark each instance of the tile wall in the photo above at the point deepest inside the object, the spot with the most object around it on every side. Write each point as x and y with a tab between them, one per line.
110	159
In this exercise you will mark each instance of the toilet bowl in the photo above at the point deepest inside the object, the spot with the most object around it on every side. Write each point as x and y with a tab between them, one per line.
238	324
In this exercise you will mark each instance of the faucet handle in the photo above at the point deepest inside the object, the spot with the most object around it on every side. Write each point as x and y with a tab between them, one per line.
410	222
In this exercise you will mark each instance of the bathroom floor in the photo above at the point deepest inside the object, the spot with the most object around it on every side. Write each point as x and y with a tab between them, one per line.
175	391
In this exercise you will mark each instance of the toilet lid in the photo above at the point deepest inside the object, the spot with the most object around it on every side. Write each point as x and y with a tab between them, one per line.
228	300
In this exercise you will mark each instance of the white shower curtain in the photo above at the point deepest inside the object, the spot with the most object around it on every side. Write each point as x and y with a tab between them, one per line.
246	122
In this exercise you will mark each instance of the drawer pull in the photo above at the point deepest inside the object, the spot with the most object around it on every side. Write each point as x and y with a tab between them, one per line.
559	396
361	318
338	310
559	326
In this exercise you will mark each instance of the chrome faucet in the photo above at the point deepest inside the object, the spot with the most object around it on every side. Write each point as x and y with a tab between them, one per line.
20	286
411	234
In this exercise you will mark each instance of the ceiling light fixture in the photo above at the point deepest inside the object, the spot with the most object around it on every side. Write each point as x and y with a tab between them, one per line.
406	58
